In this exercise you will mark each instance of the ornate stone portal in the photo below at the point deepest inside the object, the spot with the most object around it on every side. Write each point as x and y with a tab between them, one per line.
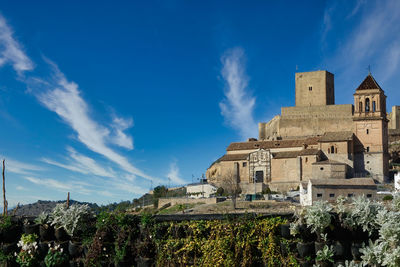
260	166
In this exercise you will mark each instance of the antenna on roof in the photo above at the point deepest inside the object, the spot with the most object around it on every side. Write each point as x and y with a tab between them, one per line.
297	67
369	69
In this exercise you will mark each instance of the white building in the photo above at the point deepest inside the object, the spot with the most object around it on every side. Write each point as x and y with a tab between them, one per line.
330	189
397	181
200	190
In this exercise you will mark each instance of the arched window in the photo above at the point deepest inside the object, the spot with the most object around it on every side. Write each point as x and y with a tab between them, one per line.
367	105
373	106
332	149
360	106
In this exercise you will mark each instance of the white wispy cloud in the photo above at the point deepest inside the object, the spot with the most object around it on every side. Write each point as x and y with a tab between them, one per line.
118	137
237	108
60	186
82	164
19	167
11	51
21	188
174	173
372	39
64	98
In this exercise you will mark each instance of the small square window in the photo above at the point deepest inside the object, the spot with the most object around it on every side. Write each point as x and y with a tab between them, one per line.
369	195
319	195
350	195
331	195
244	164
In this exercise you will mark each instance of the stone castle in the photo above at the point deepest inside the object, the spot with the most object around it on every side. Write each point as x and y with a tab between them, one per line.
316	139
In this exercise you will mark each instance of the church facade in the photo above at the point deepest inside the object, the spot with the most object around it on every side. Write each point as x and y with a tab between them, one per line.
316	139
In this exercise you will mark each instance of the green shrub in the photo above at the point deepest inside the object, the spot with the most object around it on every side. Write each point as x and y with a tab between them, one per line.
387	198
5	222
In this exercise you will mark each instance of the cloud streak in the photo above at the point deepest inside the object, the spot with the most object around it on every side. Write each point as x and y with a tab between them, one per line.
174	174
118	137
238	105
64	98
18	167
11	51
60	186
81	164
373	38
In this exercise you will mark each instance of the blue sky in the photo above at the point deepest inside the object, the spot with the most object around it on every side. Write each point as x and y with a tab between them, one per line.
104	100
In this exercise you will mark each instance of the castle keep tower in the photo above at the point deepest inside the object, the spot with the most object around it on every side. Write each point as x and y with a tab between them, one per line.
370	126
315	88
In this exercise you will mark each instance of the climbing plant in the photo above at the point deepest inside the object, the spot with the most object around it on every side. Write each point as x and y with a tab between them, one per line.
239	242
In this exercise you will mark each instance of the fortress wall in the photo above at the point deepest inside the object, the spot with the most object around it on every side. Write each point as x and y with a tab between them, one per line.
270	129
337	111
394	118
309	121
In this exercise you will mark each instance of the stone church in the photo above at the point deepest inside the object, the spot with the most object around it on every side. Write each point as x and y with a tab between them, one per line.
316	139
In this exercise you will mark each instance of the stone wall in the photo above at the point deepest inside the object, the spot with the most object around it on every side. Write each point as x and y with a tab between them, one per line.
269	130
372	164
315	88
248	188
394	118
285	170
316	120
327	171
308	121
184	200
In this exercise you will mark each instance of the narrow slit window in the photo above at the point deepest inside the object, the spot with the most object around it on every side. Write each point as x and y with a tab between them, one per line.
360	107
310	88
332	149
373	106
367	148
367	131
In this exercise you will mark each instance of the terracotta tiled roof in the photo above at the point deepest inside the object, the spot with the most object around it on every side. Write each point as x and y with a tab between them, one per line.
336	136
369	83
232	157
295	154
272	144
345	182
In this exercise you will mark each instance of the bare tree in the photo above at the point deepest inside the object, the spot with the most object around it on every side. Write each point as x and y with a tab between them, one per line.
230	184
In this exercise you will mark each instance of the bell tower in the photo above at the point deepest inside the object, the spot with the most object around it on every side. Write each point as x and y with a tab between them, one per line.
370	126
